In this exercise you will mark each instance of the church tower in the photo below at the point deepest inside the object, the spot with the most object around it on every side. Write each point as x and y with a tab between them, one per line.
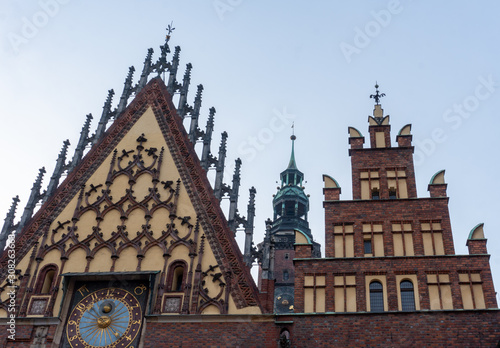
290	208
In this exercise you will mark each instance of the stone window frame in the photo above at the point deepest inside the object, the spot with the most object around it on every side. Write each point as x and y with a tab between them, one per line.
397	178
344	286
316	286
440	283
473	278
344	233
42	277
373	176
171	273
371	236
403	232
433	232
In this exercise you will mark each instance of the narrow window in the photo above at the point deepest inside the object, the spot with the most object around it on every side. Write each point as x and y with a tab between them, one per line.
369	180
287	256
373	239
286	276
47	284
343	235
46	279
376	297
368	246
407	296
178	278
396	181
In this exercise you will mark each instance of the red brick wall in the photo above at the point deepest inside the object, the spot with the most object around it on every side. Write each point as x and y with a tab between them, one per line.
218	334
423	329
382	158
386	211
390	267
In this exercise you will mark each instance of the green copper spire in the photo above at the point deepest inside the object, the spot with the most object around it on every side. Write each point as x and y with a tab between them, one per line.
292	164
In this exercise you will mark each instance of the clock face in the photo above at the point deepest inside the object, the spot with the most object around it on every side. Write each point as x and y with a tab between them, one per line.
283	300
107	317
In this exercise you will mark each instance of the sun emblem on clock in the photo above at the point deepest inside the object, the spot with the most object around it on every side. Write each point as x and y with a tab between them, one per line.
105	318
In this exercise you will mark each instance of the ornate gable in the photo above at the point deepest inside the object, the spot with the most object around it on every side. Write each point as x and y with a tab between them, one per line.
138	202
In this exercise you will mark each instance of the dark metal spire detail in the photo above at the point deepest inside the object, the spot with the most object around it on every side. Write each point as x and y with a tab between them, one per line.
105	117
145	71
194	131
233	197
377	96
34	198
127	91
82	143
207	140
172	84
249	248
58	171
182	109
8	225
219	176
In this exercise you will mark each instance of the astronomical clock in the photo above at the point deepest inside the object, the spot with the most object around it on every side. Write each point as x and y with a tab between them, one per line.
106	314
283	299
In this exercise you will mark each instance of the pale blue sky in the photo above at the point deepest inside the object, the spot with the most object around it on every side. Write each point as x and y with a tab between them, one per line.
313	62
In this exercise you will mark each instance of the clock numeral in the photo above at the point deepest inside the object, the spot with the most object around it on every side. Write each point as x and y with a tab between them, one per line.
81	307
128	337
71	339
139	290
110	292
71	322
136	322
94	296
82	289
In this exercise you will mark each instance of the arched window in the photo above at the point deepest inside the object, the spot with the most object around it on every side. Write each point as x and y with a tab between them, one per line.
176	276
376	297
407	296
46	279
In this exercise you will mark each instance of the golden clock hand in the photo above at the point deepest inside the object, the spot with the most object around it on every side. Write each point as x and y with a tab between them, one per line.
114	332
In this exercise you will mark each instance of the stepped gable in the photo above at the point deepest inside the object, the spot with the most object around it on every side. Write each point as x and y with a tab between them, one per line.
209	214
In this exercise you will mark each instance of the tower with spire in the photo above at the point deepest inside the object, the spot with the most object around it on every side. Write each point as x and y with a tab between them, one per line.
290	209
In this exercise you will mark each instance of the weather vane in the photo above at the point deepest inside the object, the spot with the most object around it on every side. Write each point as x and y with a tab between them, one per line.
377	96
170	29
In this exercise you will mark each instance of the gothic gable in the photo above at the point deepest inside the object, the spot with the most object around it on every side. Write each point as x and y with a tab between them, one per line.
138	202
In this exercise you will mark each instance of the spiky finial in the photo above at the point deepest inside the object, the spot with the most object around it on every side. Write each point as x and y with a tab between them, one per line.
82	142
8	225
127	90
377	96
58	171
207	140
33	199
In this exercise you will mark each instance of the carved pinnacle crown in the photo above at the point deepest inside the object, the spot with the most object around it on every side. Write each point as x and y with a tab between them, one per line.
377	96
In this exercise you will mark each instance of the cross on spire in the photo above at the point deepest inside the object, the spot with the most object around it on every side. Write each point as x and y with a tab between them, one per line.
377	96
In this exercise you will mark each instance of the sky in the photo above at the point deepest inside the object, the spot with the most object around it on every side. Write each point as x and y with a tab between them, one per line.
265	65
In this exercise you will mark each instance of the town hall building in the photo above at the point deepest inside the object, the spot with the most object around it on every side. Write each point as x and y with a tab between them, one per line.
133	249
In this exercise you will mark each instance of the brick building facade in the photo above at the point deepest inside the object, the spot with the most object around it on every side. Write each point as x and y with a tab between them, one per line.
132	248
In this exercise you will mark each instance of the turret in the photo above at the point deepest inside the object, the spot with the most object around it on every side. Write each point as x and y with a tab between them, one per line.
290	203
